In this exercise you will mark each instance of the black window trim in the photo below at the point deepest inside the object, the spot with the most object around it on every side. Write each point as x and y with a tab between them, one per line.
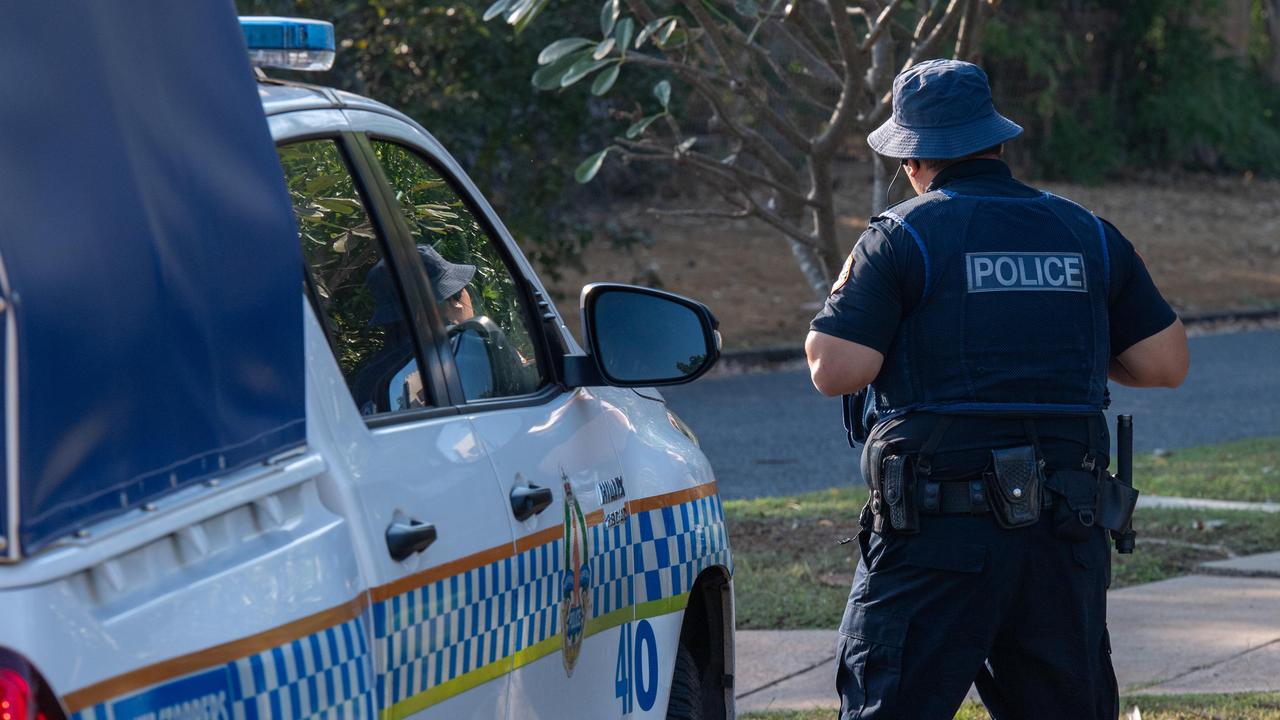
545	348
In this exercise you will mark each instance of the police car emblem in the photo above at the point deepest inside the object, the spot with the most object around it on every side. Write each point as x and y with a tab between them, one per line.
575	583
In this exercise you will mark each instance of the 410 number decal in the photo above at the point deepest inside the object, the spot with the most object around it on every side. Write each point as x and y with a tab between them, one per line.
636	676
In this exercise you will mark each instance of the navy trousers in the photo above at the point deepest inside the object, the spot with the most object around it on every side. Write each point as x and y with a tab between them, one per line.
928	611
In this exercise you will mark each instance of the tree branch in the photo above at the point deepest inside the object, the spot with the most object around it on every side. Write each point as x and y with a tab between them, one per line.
925	47
740	214
814	38
708	24
969	36
642	11
845	113
943	28
729	172
769	155
882	22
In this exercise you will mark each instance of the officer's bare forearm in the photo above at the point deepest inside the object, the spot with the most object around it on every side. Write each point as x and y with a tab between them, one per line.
838	366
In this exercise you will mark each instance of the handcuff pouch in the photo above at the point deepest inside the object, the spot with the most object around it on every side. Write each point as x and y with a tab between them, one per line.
1017	484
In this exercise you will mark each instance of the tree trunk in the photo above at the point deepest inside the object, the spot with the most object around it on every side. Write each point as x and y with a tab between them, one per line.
1271	9
814	269
880	185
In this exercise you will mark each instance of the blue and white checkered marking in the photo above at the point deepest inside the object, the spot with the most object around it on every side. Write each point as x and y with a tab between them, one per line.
442	631
326	674
676	543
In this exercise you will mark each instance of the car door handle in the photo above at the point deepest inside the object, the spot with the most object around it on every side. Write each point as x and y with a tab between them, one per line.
529	500
405	539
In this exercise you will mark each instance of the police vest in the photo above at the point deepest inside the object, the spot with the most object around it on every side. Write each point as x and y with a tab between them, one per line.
1013	316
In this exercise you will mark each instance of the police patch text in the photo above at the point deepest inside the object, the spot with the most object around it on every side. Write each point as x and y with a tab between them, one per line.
993	272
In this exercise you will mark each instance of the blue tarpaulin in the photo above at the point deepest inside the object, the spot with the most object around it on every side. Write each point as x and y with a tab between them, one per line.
151	267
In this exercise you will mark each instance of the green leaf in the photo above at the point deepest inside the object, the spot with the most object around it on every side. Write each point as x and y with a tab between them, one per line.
524	13
609	15
560	48
604	48
581	69
662	91
496	9
589	167
548	77
663	36
650	28
605	80
747	8
342	206
638	127
626	28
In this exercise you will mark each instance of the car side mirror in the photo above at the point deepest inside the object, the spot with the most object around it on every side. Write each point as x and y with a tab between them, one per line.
639	337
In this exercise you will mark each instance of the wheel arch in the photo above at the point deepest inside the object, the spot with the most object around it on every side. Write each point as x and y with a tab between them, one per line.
707	630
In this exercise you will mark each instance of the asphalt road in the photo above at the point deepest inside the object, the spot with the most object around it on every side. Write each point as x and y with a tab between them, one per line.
773	434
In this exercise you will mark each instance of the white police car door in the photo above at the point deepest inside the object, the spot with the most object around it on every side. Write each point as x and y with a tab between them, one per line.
435	535
551	449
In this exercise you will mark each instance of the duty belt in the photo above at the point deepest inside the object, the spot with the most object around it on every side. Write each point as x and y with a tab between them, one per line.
960	497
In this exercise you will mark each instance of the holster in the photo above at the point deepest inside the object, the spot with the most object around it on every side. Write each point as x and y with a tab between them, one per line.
1116	502
1016	483
892	503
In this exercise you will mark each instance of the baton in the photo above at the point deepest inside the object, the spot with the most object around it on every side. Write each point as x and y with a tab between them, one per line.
1126	538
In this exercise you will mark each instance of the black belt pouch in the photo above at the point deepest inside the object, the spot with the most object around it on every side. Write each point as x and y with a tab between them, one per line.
1015	497
1076	504
899	489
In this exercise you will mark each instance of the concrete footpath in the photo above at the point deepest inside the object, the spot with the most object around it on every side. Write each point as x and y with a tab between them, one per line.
1217	631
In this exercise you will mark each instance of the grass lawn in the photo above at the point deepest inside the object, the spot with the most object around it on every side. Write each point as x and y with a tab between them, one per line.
1241	470
1261	706
791	573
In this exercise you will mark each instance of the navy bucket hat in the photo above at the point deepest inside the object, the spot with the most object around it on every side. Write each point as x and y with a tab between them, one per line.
942	109
447	279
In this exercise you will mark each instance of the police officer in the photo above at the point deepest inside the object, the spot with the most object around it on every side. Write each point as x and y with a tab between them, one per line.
987	317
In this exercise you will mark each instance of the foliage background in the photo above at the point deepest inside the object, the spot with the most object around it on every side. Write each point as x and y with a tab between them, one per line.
467	81
1102	85
1102	88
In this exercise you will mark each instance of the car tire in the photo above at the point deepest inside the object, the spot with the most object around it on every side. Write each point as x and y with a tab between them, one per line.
686	688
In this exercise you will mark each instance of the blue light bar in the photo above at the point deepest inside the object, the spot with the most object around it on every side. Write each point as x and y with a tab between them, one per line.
289	43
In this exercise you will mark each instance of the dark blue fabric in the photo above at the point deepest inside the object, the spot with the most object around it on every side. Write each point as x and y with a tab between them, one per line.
941	109
1004	324
151	255
928	611
886	283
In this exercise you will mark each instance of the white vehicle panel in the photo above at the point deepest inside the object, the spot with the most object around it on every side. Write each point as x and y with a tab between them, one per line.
564	445
272	594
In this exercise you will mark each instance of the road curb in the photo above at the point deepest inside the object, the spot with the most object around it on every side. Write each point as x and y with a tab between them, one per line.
759	357
1169	501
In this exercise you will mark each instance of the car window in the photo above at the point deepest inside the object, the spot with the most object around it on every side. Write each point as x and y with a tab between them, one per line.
358	297
488	322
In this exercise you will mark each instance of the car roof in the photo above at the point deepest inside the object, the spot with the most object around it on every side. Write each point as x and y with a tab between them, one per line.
281	96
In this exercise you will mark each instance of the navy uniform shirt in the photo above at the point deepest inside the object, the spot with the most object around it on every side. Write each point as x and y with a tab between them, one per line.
885	281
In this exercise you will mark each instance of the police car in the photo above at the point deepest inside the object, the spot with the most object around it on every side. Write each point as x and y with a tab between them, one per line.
466	515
